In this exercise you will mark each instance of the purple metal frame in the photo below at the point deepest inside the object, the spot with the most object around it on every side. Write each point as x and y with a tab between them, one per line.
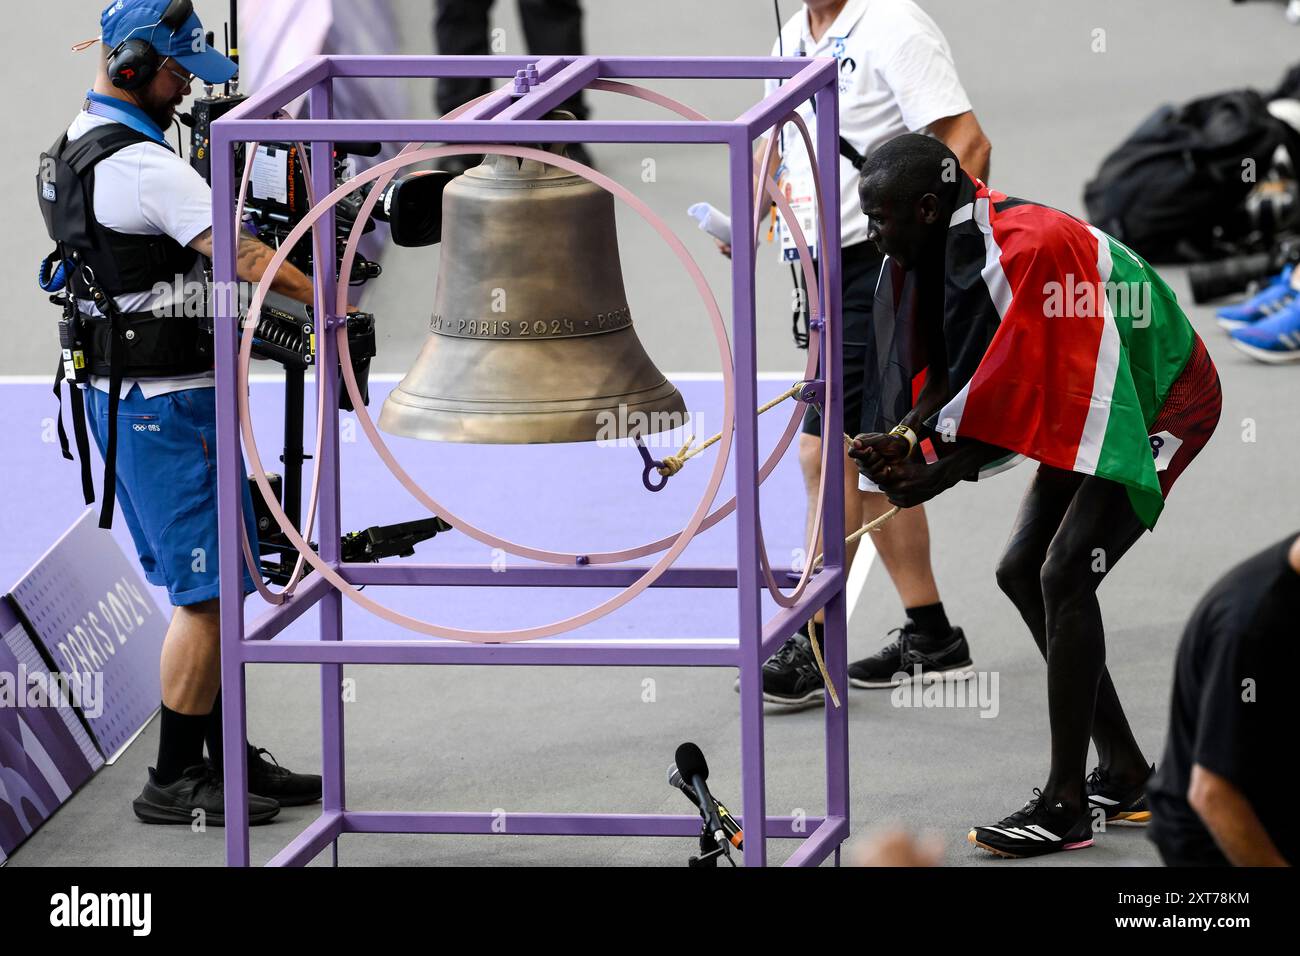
512	114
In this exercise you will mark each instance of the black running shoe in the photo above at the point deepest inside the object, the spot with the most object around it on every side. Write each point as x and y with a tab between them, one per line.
791	676
898	661
1126	806
199	789
267	778
1035	829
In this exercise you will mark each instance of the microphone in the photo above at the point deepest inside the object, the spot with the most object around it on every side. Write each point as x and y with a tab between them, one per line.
735	835
187	119
695	770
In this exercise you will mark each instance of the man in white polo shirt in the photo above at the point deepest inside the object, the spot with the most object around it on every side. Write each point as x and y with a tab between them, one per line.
896	76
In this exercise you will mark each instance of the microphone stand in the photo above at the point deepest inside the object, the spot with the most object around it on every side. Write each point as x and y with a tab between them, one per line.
710	850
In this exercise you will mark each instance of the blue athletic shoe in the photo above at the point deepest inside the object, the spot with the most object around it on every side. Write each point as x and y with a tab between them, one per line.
1275	339
1278	294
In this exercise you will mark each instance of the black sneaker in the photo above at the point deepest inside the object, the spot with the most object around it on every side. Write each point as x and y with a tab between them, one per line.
1035	830
898	662
267	778
1122	805
198	789
791	676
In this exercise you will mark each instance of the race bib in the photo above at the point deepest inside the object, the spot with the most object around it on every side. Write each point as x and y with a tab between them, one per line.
1163	448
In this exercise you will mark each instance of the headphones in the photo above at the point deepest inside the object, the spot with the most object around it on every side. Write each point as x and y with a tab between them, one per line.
134	62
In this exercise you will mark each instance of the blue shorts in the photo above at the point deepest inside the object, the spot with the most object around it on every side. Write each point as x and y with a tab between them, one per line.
167	486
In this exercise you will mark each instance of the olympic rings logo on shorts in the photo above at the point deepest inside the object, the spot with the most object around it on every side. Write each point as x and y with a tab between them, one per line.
142	427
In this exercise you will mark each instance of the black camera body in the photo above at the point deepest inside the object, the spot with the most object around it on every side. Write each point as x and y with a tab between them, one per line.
277	195
412	206
277	201
205	111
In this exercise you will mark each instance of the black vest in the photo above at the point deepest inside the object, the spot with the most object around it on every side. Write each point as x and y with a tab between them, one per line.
102	264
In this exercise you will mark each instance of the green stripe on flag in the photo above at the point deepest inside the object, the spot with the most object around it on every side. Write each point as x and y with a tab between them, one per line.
1156	335
1155	342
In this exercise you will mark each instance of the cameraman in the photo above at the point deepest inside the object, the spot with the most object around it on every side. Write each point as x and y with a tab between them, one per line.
144	226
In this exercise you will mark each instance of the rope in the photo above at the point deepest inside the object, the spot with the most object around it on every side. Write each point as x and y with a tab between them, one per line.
674	463
812	625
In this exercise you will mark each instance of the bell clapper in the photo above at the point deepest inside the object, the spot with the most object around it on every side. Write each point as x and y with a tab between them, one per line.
651	465
806	392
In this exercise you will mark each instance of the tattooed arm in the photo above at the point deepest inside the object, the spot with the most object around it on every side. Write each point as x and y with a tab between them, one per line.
251	261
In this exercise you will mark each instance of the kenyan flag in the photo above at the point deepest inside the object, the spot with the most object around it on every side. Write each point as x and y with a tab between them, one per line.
1067	342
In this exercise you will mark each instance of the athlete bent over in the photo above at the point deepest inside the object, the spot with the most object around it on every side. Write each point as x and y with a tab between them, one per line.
1039	336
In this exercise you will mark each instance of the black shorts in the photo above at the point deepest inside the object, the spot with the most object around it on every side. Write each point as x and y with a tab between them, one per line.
861	264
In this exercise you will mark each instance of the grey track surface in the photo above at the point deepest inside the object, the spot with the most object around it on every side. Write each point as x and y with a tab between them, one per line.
525	739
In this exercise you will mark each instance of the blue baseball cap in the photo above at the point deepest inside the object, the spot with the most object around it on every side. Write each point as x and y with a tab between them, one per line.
142	19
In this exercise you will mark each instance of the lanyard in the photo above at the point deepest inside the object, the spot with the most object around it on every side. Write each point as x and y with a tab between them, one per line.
128	114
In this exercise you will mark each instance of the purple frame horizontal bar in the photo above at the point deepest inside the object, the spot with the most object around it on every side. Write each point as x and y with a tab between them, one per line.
805	76
474	131
314	587
310	590
303	848
330	825
425	650
788	620
401	67
622	68
555	824
762	116
703	67
549	94
531	576
821	843
280	92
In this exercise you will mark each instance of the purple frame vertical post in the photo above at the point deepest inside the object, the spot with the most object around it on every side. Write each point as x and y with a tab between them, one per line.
321	102
836	624
511	116
748	599
230	478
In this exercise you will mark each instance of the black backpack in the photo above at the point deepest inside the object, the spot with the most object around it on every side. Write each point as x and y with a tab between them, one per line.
1176	188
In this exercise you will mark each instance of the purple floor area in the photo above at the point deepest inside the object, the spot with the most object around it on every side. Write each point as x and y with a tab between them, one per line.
578	497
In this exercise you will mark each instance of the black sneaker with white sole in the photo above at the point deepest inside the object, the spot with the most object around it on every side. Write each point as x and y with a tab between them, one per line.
910	655
198	790
1036	829
791	676
1123	805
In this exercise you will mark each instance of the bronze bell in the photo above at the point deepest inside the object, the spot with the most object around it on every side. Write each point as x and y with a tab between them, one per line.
531	338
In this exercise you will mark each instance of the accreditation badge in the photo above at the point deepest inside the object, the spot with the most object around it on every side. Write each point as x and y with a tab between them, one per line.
801	193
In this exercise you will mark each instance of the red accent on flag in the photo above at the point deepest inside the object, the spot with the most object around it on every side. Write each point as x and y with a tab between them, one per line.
1033	388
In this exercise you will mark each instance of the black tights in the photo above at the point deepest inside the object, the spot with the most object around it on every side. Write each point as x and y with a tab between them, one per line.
1071	530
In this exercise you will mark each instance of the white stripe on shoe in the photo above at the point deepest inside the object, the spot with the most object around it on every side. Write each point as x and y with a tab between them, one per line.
1023	832
1001	832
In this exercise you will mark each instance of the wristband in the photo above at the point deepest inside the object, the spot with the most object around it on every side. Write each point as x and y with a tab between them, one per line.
903	431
